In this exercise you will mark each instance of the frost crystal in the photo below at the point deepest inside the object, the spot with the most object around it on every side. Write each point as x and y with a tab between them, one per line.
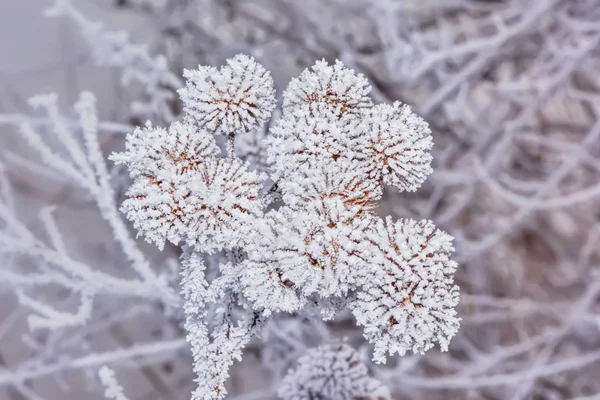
331	373
409	303
235	99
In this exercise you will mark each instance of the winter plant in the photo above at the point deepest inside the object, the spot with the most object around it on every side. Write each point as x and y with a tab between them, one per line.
304	238
511	91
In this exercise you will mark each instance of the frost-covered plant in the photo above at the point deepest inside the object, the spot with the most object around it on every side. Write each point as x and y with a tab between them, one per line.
113	390
332	151
511	88
331	373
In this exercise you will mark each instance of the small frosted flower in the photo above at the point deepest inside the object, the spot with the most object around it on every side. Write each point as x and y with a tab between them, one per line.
160	153
224	203
262	277
210	209
332	89
154	209
409	303
235	99
317	249
399	146
331	373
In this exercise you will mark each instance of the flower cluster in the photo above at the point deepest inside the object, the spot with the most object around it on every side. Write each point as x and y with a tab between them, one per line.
322	247
327	90
183	190
329	121
314	249
331	373
332	152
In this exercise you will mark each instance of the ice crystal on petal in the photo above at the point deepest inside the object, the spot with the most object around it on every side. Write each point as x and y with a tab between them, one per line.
409	304
235	99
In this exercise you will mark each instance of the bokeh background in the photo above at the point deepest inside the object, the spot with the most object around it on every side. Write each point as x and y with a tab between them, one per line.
511	89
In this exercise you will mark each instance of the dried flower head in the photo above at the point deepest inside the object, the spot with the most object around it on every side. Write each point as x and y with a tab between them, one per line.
410	301
153	206
235	99
331	373
210	208
263	283
160	153
399	146
317	249
327	89
225	201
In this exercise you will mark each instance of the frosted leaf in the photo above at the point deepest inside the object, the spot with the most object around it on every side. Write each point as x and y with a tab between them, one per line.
331	373
319	249
327	89
210	208
235	99
409	304
160	153
399	146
